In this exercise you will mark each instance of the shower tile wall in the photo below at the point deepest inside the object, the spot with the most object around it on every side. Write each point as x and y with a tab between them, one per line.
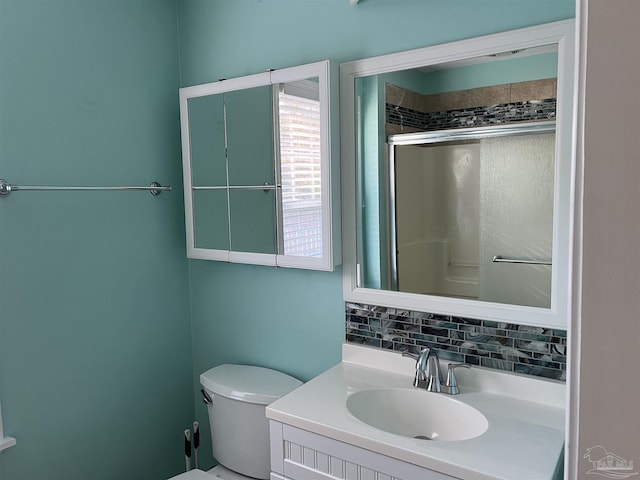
503	346
408	111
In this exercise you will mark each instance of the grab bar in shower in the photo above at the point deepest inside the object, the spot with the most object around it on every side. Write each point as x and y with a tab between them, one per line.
6	188
500	259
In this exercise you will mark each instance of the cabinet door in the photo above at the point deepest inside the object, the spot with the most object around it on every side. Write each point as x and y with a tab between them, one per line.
307	157
249	126
302	455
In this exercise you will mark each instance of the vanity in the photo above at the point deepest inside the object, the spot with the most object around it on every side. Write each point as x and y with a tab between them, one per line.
314	435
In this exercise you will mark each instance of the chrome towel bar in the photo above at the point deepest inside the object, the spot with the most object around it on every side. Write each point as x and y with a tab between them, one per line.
6	188
499	259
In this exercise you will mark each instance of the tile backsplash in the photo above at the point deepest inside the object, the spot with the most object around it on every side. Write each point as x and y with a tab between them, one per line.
408	111
482	116
515	348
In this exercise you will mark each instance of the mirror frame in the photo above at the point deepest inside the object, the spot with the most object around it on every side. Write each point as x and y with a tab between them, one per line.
557	316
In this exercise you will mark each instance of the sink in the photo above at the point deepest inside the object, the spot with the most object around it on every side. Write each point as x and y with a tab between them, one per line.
415	413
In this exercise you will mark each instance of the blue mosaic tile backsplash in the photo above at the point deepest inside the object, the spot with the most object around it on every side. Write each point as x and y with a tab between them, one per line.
529	111
503	346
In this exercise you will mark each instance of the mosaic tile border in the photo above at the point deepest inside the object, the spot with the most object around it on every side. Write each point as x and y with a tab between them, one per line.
503	346
529	111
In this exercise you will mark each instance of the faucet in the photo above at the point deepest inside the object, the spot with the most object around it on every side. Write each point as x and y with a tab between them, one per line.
429	376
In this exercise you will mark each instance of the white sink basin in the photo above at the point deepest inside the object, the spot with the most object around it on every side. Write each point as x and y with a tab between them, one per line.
416	413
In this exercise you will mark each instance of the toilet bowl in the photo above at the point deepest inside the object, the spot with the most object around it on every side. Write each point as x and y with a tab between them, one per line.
236	398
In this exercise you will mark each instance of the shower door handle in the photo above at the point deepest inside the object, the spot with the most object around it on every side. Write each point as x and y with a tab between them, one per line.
501	259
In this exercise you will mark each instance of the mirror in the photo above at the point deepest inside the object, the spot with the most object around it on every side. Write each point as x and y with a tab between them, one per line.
460	163
257	158
227	214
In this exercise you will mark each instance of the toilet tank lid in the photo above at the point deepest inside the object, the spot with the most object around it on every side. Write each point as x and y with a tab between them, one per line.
248	383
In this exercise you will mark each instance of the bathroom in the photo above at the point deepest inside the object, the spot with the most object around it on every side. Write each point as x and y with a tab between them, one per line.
105	325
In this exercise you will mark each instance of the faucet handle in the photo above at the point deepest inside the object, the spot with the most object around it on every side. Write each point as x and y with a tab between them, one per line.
410	355
452	382
420	357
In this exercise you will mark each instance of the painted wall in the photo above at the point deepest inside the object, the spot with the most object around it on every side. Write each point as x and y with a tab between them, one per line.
609	326
287	319
375	242
498	72
95	346
534	67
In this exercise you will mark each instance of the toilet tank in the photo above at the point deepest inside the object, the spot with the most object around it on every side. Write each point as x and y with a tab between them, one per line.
239	427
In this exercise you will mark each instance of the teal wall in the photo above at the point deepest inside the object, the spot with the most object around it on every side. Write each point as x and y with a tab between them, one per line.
287	319
506	70
534	67
95	346
375	247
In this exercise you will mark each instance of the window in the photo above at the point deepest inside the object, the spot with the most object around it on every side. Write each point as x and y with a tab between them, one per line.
299	126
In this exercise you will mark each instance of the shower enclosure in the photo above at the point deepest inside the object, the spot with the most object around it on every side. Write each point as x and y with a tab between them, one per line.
471	212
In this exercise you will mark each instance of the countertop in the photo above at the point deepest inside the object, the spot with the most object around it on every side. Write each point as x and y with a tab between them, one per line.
524	440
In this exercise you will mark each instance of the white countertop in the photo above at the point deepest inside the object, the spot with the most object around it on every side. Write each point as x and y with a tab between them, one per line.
524	440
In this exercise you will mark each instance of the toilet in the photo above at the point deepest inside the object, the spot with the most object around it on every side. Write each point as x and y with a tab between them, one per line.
236	398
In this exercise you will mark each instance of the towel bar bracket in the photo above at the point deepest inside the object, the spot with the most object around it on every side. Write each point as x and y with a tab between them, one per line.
5	188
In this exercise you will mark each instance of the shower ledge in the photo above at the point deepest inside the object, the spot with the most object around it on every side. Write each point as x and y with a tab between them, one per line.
5	442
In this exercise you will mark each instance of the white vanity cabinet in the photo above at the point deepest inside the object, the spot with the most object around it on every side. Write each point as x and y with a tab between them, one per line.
297	454
260	167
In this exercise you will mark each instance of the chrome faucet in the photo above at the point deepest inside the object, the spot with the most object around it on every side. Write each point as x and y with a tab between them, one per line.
419	380
429	376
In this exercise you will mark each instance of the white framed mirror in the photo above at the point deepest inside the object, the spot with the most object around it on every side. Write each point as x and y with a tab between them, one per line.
457	174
